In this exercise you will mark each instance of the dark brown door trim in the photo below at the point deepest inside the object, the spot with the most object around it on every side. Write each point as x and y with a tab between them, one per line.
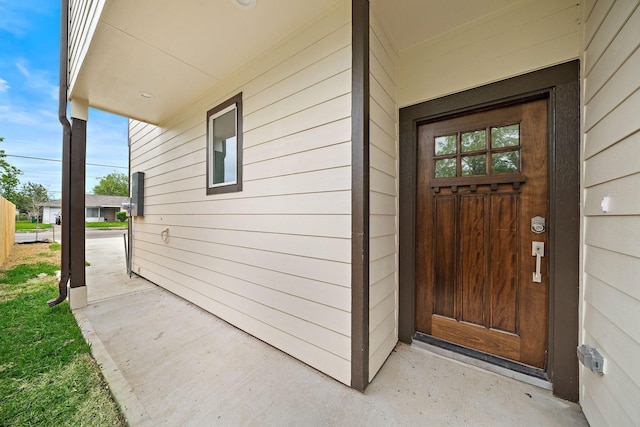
561	85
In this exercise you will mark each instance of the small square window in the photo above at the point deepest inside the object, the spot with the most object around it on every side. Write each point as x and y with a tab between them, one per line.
224	147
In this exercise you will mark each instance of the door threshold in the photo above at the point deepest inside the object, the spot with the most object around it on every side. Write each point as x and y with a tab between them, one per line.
497	365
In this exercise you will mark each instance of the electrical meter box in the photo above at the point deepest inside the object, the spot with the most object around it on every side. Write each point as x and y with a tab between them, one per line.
137	194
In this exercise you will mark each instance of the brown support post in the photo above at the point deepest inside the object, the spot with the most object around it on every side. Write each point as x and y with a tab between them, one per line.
360	195
76	220
65	209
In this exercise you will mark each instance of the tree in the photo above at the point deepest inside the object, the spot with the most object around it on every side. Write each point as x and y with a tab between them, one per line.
8	179
114	184
32	197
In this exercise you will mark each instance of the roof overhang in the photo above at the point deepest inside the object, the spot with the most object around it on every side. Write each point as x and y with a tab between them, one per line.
148	58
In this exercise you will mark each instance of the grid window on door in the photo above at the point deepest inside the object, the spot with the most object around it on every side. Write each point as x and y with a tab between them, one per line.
224	147
489	151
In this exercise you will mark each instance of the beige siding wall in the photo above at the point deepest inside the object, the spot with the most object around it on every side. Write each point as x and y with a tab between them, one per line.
383	293
530	35
610	306
84	16
274	259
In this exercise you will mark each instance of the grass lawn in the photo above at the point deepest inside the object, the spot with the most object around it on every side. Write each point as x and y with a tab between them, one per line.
28	225
47	374
106	224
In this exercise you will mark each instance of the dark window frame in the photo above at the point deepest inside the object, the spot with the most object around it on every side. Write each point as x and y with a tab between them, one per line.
236	186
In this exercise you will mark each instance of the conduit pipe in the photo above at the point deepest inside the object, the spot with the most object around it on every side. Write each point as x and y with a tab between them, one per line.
66	155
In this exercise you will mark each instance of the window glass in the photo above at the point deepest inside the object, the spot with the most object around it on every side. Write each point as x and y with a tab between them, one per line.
223	148
505	136
445	145
473	141
472	154
508	161
474	165
445	168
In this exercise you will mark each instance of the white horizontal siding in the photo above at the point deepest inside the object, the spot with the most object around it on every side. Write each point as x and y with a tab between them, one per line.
332	157
622	46
332	225
610	18
323	318
610	304
383	180
332	203
321	248
254	318
623	155
307	140
618	124
83	20
273	259
624	81
529	35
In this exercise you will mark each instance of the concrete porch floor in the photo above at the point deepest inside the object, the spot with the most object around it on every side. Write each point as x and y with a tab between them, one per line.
170	363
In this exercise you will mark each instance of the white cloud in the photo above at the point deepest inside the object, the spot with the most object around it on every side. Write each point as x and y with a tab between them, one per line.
4	85
38	80
40	119
23	69
15	16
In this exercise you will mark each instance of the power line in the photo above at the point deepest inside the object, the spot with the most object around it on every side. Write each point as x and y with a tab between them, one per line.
60	161
27	172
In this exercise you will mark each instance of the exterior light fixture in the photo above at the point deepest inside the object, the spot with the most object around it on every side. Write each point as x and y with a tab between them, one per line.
245	4
145	95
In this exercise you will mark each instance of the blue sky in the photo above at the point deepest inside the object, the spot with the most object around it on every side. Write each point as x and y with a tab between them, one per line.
29	51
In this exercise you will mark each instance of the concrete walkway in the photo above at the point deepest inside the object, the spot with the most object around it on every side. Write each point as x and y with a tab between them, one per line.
170	363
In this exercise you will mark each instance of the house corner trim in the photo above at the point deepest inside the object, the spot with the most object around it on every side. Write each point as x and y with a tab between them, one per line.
360	195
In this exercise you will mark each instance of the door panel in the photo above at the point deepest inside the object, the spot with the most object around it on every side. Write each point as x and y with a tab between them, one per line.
504	262
473	242
481	177
444	285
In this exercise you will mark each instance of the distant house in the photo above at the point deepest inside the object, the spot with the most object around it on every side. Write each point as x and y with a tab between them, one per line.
98	208
337	176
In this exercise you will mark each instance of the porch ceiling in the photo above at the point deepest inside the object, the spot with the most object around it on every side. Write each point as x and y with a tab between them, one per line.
410	22
175	51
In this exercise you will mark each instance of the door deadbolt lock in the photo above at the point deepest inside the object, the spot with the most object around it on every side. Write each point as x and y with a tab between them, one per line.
538	224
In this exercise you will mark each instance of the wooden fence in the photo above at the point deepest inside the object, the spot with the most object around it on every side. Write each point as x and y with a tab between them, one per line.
7	228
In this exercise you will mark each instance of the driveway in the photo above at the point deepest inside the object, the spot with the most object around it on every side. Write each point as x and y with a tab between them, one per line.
55	233
106	275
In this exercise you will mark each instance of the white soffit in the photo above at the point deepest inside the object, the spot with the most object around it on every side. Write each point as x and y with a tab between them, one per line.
173	51
176	50
410	22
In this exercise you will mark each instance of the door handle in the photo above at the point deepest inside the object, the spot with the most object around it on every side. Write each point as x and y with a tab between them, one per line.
537	250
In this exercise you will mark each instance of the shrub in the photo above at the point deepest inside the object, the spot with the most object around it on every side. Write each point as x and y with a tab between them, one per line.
121	216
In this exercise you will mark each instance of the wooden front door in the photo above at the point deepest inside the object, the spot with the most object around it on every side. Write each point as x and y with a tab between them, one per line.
482	177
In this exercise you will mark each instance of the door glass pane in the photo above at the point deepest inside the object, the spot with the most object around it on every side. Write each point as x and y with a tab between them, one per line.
505	136
474	165
505	162
473	141
445	168
445	145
